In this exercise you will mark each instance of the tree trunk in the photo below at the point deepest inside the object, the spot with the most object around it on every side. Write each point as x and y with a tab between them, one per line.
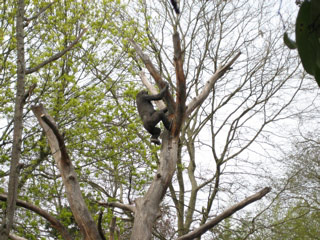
147	207
18	126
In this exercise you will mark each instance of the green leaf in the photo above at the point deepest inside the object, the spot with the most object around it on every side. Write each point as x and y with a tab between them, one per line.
289	42
304	38
307	37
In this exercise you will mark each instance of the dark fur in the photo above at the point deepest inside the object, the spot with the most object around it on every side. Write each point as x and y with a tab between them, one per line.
151	117
175	6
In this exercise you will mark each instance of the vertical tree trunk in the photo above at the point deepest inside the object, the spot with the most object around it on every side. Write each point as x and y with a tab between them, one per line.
17	133
148	207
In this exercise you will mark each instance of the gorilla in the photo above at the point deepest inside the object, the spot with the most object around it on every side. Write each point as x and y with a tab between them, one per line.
151	117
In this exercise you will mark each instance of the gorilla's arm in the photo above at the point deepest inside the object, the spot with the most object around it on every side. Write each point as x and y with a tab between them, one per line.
158	96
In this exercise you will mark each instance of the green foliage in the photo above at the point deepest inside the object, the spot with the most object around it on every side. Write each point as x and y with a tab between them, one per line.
89	95
289	42
297	221
308	37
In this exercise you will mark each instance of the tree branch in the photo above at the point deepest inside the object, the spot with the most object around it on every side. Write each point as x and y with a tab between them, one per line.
112	227
39	13
16	148
100	226
15	237
29	93
227	213
62	146
58	55
155	74
181	84
54	222
197	101
125	207
160	104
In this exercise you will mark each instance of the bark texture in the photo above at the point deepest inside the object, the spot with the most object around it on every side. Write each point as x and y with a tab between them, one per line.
18	126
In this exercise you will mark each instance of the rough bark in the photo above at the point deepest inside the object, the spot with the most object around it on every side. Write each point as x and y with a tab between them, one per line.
79	209
18	126
54	222
227	213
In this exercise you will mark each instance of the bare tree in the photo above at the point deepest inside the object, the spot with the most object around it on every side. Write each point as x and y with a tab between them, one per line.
234	105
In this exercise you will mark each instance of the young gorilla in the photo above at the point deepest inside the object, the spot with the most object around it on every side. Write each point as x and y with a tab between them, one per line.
151	117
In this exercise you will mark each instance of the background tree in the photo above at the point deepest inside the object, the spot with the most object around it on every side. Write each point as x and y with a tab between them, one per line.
294	213
85	97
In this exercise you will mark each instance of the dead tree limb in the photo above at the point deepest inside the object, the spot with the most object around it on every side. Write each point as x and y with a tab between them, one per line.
155	75
15	237
227	213
160	104
78	207
181	84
